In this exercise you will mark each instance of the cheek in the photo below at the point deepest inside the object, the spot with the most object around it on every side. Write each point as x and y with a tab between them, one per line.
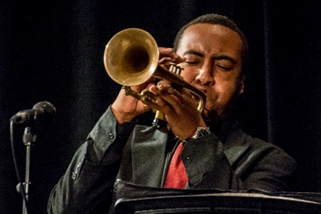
228	83
223	92
188	75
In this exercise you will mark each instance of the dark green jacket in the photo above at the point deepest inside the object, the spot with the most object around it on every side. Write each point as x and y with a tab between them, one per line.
140	155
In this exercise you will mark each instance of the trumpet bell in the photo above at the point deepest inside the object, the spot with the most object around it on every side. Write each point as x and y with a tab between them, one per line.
131	57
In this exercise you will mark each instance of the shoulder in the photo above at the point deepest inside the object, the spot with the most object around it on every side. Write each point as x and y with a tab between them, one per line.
255	150
259	146
235	136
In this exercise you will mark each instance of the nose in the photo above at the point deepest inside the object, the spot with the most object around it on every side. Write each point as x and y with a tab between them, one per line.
206	75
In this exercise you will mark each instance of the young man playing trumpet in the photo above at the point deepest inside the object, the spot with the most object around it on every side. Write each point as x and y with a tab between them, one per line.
216	153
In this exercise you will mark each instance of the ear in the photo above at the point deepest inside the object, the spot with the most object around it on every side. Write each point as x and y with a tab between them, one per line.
242	85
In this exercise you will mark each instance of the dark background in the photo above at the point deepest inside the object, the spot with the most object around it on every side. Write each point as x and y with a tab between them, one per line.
53	50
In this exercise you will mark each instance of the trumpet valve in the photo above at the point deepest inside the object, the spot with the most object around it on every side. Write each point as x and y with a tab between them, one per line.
175	68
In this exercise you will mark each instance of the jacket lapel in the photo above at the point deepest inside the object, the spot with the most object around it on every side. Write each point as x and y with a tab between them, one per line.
210	164
235	145
148	155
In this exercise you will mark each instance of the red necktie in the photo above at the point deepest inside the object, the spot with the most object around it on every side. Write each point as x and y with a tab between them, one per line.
176	175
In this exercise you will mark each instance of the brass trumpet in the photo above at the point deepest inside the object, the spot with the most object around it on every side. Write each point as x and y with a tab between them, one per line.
131	58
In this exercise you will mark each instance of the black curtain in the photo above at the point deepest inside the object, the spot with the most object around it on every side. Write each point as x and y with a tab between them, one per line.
53	50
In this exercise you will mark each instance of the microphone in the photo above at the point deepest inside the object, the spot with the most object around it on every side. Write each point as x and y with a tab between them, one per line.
43	111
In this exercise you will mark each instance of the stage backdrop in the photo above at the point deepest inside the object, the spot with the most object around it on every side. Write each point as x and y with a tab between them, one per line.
53	51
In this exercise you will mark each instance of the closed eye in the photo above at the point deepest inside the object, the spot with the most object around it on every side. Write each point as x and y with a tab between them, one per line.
224	67
192	62
224	62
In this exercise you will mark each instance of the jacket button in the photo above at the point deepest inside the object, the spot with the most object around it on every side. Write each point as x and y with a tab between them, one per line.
111	135
76	172
74	176
188	159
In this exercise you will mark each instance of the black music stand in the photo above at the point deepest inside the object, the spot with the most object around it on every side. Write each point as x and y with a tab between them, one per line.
155	200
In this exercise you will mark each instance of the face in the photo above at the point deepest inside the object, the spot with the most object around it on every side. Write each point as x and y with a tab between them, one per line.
213	65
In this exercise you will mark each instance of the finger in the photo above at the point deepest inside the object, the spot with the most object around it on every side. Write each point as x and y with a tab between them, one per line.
145	85
165	51
168	54
172	101
181	100
162	90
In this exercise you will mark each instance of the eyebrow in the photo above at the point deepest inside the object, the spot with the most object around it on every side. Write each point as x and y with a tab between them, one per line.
193	52
219	57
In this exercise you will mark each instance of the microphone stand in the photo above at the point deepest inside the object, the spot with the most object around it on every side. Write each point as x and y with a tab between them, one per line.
29	139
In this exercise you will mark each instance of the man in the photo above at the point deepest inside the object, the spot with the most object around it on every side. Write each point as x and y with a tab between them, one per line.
216	155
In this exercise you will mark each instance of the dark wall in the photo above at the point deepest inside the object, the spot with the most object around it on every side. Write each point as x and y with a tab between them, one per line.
53	50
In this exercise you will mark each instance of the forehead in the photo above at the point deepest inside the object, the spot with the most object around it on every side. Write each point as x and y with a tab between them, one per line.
209	37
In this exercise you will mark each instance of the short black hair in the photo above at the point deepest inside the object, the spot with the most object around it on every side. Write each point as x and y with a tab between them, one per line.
216	19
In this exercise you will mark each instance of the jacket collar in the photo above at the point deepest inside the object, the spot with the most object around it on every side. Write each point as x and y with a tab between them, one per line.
234	141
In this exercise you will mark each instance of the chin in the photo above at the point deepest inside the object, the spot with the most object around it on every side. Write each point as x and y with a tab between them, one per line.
210	117
215	116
